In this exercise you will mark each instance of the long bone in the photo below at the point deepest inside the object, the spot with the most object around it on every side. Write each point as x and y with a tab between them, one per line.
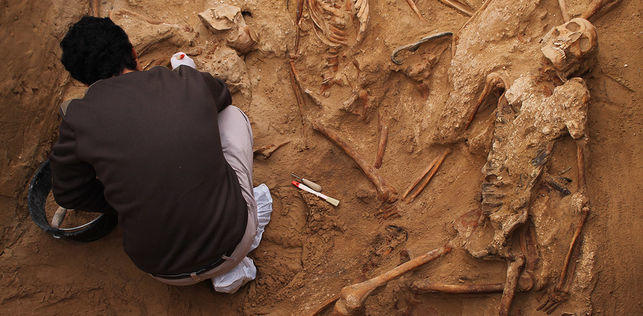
384	192
559	294
352	297
598	5
425	286
513	272
563	10
524	284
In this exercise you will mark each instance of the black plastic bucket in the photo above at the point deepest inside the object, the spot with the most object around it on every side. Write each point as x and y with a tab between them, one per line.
39	189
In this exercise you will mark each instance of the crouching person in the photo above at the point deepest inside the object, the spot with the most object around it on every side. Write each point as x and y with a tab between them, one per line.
166	151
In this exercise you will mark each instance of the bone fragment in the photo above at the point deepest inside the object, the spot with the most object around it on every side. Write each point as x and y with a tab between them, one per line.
58	217
352	297
457	6
415	9
268	150
381	147
428	178
384	192
513	272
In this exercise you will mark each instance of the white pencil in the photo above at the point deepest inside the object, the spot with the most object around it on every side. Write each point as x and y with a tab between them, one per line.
322	196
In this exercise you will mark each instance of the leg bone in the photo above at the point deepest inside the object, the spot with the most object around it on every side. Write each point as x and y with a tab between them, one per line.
597	6
559	295
384	192
424	286
353	296
513	272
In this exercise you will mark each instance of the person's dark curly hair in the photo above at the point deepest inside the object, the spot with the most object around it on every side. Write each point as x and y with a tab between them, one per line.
96	48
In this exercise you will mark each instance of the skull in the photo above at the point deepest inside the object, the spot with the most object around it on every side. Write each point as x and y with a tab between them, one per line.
571	47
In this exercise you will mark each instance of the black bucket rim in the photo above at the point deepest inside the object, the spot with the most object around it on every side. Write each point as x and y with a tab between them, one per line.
39	188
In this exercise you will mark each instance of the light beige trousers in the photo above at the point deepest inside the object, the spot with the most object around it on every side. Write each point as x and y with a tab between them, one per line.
236	140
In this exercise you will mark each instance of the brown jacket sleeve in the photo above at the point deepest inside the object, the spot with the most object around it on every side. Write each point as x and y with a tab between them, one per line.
219	91
74	182
217	87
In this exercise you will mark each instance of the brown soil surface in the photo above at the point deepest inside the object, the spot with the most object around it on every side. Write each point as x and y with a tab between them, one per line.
310	249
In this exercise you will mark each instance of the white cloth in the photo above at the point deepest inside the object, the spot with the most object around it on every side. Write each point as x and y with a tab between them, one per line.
246	271
181	58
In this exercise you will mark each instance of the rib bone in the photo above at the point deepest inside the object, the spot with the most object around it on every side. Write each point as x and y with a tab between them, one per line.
384	192
352	297
430	176
428	169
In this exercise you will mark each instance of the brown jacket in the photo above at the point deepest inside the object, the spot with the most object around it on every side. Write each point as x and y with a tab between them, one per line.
146	144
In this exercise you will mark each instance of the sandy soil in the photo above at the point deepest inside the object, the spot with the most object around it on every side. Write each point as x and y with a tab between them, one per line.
311	249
